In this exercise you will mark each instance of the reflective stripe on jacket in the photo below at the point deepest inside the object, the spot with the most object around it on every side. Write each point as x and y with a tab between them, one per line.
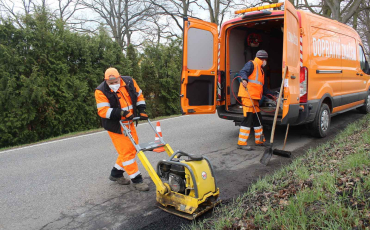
255	82
110	104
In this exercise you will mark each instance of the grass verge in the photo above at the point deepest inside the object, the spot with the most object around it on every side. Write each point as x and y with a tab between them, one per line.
74	134
327	188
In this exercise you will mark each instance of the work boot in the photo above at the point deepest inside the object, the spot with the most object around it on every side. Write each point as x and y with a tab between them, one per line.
141	186
117	176
120	180
245	147
139	183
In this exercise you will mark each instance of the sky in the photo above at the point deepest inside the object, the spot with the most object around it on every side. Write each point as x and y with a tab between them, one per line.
90	14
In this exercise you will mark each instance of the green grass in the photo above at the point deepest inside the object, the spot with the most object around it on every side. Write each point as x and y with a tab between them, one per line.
327	188
73	134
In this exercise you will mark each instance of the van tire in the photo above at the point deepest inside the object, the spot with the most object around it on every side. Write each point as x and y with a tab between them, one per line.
320	126
366	107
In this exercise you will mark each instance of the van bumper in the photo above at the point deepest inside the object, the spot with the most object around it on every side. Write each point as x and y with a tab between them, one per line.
298	114
306	113
222	113
238	117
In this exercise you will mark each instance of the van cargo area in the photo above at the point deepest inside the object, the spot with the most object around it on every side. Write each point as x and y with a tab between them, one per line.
240	49
325	67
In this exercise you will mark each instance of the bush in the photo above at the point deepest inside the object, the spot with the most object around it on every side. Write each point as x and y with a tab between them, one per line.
48	77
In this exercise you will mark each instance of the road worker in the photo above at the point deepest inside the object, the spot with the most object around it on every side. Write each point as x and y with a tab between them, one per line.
253	83
119	97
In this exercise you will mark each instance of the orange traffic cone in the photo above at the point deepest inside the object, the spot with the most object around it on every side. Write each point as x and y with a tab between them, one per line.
159	131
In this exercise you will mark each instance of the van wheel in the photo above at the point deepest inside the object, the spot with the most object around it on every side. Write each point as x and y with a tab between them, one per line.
366	107
320	126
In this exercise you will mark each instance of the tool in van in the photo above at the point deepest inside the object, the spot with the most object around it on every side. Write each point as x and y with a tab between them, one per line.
265	159
185	183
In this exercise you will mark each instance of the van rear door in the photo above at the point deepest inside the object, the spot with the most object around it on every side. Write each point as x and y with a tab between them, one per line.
291	58
199	70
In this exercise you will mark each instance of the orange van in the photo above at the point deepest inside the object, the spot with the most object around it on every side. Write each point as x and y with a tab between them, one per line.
327	73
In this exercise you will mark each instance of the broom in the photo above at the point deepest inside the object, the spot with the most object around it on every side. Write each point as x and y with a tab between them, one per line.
265	159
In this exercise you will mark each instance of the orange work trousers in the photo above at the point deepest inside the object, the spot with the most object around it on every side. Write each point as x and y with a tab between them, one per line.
126	152
248	106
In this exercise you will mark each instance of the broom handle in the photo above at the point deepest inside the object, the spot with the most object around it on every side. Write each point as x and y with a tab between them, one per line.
278	106
286	135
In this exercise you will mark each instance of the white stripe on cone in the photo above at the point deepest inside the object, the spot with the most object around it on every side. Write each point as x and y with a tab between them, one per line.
159	131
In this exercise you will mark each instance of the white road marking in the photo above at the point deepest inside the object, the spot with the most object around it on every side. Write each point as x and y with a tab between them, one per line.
71	138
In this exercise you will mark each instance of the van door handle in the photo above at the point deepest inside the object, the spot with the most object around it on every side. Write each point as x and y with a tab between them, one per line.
292	77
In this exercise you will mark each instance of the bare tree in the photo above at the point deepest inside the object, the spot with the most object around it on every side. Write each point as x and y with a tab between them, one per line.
15	11
363	27
340	10
160	30
123	17
217	9
176	9
67	8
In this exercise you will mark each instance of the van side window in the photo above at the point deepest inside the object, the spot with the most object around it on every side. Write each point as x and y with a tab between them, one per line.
362	59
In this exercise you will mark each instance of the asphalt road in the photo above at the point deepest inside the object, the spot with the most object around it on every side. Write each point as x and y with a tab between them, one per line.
64	184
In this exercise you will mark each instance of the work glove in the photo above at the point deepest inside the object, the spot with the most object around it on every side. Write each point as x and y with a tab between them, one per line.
142	113
127	115
143	116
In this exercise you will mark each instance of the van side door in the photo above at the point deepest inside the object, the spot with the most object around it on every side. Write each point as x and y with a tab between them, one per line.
352	83
291	58
363	71
199	69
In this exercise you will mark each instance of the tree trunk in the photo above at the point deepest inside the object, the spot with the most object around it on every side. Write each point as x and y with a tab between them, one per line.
355	19
127	29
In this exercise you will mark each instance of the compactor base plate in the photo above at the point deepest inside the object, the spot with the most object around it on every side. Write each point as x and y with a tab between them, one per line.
200	210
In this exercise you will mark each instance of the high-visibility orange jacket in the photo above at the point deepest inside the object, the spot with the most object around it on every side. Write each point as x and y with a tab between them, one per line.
110	104
255	82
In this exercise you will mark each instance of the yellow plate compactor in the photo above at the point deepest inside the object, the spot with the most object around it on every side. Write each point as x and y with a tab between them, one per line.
186	184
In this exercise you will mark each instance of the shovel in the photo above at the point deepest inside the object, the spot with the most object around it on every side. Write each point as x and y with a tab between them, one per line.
265	159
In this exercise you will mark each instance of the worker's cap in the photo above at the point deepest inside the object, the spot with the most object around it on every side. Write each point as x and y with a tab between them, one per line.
262	54
111	73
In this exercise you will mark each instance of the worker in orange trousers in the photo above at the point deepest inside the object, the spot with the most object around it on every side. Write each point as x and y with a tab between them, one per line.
117	98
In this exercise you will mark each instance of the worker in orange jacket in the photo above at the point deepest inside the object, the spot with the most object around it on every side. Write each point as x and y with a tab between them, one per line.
251	90
119	97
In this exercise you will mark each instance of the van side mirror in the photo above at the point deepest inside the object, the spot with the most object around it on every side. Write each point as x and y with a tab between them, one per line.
367	69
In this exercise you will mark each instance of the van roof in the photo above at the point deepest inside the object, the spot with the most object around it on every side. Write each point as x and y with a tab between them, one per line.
239	19
281	13
344	26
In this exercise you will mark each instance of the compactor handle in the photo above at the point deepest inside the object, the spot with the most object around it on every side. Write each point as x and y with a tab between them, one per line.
191	156
130	121
127	131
